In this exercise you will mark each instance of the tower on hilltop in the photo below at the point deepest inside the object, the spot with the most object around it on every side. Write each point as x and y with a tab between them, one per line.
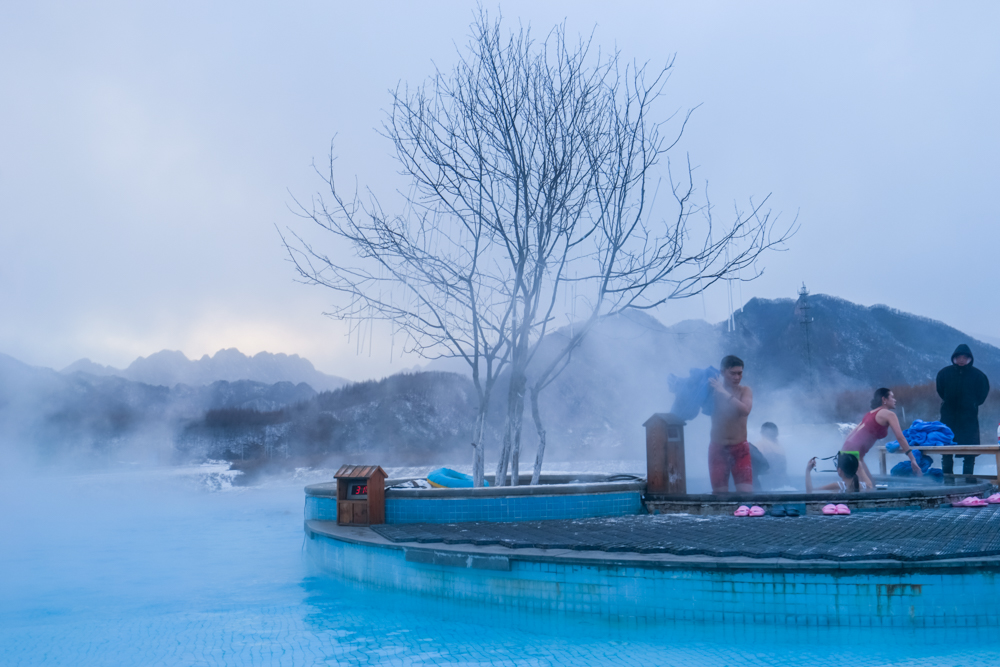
805	319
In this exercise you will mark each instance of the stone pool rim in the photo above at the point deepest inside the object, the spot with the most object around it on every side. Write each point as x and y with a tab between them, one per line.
551	485
910	497
928	491
363	536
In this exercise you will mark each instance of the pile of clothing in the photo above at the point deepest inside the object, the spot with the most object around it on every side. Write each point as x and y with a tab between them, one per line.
924	434
904	469
921	433
692	394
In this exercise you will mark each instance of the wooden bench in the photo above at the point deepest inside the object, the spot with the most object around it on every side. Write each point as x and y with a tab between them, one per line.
958	450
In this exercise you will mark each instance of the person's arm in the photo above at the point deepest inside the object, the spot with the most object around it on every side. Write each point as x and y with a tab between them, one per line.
809	479
984	389
742	404
939	384
892	421
945	384
865	475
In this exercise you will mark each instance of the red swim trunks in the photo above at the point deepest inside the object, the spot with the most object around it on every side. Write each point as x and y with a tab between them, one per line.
726	459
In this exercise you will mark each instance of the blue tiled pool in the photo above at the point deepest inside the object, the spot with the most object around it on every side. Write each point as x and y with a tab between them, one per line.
716	591
516	508
146	570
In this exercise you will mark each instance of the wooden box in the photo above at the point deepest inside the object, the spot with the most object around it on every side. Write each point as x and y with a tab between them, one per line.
360	495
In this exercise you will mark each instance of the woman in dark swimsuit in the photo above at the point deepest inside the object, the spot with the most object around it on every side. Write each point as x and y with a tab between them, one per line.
873	427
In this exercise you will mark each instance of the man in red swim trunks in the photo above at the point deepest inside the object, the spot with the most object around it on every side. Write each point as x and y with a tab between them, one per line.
729	451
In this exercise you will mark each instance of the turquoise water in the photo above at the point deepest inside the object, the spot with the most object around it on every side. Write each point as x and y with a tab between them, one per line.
153	569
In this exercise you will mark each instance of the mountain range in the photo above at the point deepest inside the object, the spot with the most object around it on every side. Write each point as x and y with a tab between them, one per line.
169	368
51	412
618	375
239	407
845	344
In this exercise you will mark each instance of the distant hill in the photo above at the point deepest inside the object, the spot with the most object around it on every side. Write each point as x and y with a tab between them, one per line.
617	378
169	368
406	418
57	412
54	416
849	345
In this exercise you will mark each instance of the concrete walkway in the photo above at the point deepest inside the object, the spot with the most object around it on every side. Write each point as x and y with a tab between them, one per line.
899	536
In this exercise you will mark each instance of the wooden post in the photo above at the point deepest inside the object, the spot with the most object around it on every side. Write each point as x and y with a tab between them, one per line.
665	468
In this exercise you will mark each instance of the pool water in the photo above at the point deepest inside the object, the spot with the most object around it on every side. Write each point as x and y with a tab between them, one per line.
152	568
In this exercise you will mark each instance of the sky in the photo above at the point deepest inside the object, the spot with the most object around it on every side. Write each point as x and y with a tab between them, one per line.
151	152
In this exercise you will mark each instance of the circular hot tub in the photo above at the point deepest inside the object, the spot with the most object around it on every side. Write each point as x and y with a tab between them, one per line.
556	497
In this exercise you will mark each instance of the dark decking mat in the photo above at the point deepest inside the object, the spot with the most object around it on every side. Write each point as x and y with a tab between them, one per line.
895	535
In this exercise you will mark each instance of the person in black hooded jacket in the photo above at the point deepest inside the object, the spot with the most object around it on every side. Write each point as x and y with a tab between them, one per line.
962	389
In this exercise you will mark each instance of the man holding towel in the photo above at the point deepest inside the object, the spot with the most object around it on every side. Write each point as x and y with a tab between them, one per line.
729	451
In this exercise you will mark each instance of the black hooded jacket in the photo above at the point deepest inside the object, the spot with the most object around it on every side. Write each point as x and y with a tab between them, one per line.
963	389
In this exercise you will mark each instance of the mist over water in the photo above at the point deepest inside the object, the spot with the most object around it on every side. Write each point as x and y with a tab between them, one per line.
161	566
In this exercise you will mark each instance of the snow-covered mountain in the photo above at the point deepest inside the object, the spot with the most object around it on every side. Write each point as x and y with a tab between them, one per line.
169	368
846	344
39	406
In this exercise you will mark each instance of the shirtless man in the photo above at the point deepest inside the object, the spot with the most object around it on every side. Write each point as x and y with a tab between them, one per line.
729	451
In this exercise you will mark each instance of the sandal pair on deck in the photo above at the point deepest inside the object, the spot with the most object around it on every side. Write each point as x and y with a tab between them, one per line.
757	510
785	510
836	509
973	501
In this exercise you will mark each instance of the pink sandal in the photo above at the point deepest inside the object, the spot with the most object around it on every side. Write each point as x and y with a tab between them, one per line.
994	499
742	510
843	509
756	510
829	509
971	501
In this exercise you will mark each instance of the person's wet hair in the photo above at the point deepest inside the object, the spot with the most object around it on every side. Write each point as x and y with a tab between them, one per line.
731	361
848	464
880	394
769	429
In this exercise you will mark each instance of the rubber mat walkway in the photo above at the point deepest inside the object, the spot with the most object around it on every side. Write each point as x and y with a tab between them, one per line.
894	535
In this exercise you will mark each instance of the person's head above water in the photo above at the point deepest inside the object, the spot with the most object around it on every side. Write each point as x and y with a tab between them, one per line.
847	468
732	369
884	398
962	356
769	430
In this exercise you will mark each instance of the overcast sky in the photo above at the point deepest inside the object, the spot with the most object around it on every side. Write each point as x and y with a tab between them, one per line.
147	152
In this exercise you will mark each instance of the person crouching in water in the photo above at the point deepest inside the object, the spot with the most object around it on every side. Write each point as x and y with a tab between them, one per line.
873	427
729	450
847	468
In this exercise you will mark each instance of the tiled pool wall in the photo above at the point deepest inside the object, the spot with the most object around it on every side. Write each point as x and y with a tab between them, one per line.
511	508
697	595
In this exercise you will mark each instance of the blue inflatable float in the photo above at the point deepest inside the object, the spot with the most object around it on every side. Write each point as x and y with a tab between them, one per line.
446	478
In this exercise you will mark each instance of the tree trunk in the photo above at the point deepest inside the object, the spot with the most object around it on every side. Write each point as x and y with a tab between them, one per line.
517	421
536	415
512	424
478	467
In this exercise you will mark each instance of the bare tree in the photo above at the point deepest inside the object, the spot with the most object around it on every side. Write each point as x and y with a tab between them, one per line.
639	267
603	231
528	161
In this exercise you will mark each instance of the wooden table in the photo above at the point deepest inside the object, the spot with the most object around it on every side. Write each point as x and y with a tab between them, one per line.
958	450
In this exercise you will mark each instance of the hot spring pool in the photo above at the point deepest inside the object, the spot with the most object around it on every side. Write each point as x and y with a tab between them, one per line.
151	569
